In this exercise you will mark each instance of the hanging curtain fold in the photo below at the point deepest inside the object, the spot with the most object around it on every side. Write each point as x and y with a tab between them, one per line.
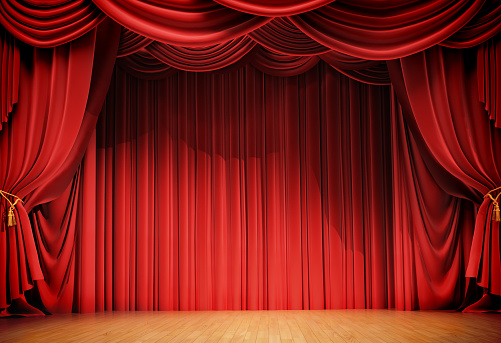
145	66
438	90
489	78
432	230
281	36
9	73
158	60
206	58
281	65
50	128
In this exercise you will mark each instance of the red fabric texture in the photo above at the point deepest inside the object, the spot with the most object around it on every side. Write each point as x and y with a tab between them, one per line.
485	25
438	90
489	78
194	23
242	190
206	58
49	23
276	8
158	60
383	30
50	130
281	36
388	29
9	73
145	66
131	42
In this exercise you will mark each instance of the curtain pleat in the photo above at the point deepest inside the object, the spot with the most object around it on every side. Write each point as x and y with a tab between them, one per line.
9	72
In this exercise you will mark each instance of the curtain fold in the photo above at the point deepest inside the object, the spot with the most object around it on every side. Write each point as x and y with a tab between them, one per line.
281	65
131	42
49	23
196	23
144	66
50	127
273	8
489	78
432	231
485	25
387	30
439	93
205	58
281	36
9	73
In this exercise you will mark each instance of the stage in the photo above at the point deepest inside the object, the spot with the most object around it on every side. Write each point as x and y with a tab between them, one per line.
256	326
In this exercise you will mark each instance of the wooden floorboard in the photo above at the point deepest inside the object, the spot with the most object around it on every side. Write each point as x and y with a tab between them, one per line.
257	326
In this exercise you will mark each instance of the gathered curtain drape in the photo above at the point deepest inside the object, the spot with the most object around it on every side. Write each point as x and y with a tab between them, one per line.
438	92
44	142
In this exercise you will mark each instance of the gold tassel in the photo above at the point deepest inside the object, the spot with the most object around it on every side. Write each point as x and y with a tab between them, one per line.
496	215
11	218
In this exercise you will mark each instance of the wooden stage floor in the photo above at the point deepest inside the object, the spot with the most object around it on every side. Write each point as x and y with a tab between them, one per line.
257	326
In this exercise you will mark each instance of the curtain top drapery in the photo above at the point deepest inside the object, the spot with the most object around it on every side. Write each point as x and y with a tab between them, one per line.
365	29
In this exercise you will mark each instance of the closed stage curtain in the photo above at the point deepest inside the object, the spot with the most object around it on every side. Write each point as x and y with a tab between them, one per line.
439	92
245	191
61	93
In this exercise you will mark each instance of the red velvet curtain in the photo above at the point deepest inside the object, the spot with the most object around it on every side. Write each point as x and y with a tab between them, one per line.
438	90
242	190
202	35
61	92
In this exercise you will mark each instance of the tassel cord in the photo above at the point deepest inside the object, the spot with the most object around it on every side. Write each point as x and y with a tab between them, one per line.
496	212
11	218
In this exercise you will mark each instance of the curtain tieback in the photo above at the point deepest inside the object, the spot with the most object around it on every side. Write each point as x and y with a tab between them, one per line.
496	214
11	218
